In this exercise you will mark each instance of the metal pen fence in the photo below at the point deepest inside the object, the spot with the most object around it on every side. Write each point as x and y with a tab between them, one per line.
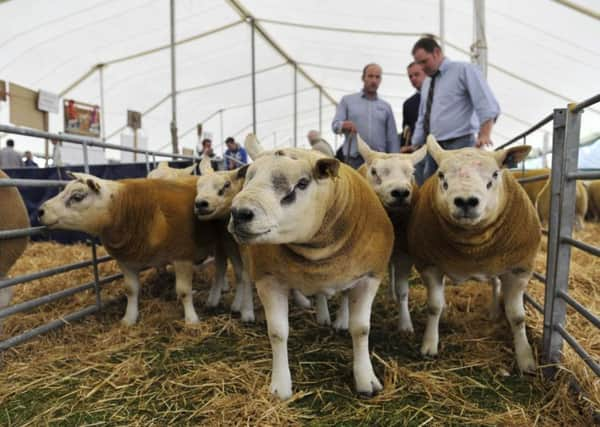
98	281
564	172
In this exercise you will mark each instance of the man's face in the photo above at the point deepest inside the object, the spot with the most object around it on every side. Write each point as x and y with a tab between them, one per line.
231	145
372	79
429	61
313	137
28	155
416	76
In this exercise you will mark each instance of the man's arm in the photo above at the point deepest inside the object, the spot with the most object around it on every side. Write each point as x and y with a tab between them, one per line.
484	103
418	137
391	132
340	123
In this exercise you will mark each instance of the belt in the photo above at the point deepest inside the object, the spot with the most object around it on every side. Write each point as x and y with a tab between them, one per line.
453	140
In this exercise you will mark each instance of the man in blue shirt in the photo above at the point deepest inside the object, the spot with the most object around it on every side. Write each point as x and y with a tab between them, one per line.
456	103
235	156
365	113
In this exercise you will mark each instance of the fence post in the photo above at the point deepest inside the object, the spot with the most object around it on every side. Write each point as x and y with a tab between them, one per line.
565	146
86	168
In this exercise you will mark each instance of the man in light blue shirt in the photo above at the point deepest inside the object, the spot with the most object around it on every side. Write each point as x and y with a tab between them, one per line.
368	115
456	102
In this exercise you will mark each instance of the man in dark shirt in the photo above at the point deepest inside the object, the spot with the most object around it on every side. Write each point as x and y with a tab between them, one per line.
410	108
29	160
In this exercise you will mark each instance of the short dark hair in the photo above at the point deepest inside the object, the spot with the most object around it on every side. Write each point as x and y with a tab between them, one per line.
229	139
206	141
364	73
427	43
411	64
10	143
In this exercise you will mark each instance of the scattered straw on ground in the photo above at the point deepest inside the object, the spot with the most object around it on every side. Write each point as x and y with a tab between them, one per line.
161	372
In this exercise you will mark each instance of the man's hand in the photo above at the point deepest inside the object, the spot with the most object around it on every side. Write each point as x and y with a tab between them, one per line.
407	149
483	140
349	127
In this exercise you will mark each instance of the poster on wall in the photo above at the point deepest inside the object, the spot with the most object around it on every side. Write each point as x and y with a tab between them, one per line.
81	118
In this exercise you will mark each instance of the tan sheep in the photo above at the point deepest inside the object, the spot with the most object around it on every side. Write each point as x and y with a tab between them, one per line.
464	225
542	204
593	212
13	215
392	178
163	171
532	188
315	225
141	222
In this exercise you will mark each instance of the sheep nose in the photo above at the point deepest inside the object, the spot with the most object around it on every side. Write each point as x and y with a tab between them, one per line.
242	215
40	213
201	204
400	194
466	203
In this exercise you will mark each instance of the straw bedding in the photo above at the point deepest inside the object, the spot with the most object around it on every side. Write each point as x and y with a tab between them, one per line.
160	372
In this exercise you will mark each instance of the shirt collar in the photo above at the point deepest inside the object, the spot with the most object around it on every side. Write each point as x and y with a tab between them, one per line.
364	95
444	65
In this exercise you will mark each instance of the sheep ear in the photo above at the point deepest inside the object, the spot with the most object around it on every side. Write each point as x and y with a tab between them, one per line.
252	146
364	149
512	156
419	155
327	168
205	166
163	165
434	149
240	173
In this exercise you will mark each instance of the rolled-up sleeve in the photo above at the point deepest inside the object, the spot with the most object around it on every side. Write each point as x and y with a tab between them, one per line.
391	132
341	115
484	102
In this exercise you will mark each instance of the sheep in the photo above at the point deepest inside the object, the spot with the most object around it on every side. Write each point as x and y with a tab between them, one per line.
391	177
593	212
140	222
310	223
163	171
463	226
13	216
532	188
542	203
214	194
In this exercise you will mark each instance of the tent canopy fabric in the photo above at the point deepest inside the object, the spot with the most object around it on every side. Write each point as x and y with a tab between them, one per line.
541	55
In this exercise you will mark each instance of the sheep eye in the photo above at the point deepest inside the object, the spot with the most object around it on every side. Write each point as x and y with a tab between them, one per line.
302	183
227	184
373	171
445	185
77	197
440	175
289	198
495	175
489	185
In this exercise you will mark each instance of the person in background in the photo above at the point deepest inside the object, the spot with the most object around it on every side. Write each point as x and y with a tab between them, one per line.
56	153
368	115
207	150
9	157
410	108
234	151
456	103
319	144
29	160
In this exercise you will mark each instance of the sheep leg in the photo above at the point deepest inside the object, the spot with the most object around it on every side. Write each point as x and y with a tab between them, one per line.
513	287
342	315
300	299
132	288
402	266
274	298
5	297
433	279
243	301
214	295
495	308
323	317
361	298
184	273
392	278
